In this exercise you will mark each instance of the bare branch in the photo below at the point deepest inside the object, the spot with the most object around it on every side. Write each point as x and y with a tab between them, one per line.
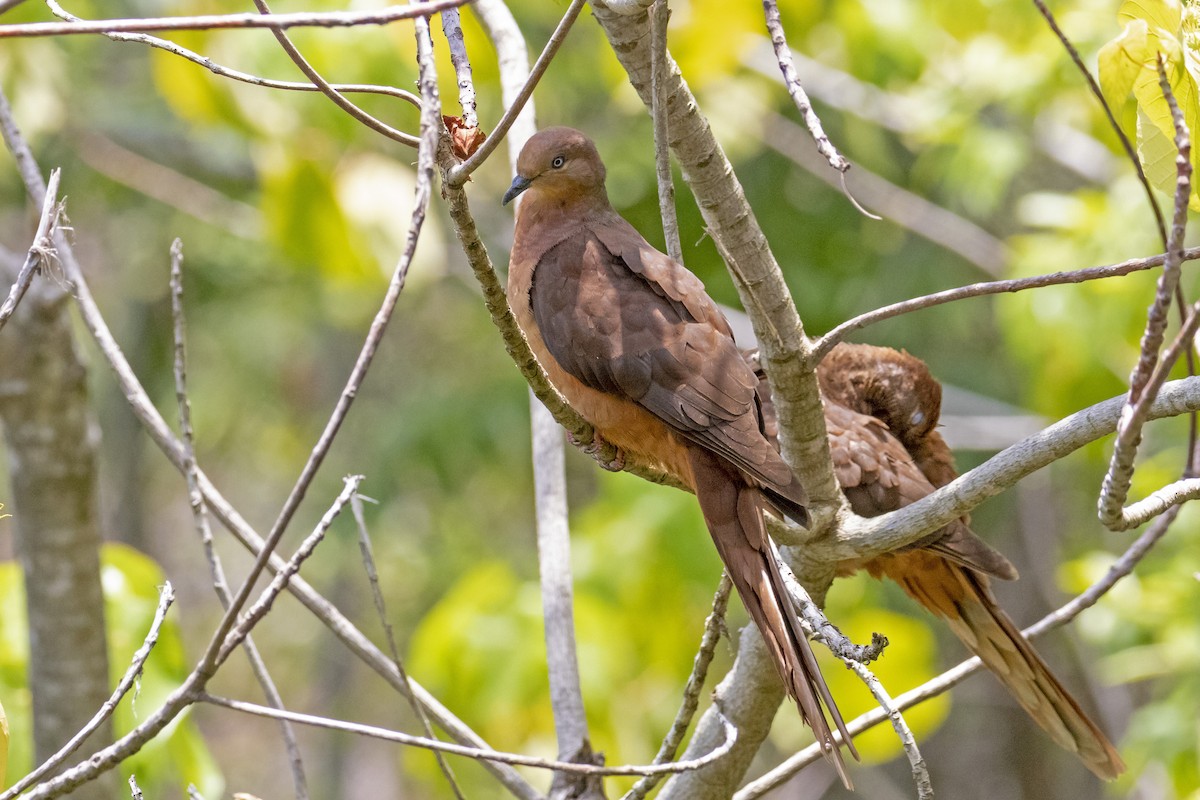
244	77
200	515
327	89
826	343
166	596
1150	373
267	598
714	624
818	626
457	175
329	19
659	15
368	557
554	570
40	252
916	761
783	55
859	537
431	131
469	752
452	28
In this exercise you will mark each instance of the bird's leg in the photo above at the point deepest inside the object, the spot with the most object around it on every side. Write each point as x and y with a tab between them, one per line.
596	447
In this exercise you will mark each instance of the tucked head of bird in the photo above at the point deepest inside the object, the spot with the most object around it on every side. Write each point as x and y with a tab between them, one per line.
558	164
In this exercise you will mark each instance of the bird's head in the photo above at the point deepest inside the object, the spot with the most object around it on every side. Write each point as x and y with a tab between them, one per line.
558	164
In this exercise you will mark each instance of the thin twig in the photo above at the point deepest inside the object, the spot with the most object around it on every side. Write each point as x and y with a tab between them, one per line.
915	759
783	55
143	408
431	130
1112	120
258	666
327	89
40	252
714	624
267	597
368	557
457	175
814	621
471	752
166	596
897	204
452	29
952	677
233	74
660	13
328	19
1150	372
823	345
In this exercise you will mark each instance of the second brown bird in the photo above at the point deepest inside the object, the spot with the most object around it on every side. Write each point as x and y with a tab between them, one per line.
882	409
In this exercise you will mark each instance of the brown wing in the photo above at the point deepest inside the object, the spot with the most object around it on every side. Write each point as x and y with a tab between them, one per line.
652	336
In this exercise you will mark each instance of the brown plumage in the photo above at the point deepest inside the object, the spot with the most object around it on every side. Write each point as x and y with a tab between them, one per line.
882	408
639	349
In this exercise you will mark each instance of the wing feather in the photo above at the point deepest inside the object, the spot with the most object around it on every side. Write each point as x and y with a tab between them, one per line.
627	320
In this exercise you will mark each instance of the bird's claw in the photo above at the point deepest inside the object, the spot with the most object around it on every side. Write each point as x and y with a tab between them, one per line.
595	449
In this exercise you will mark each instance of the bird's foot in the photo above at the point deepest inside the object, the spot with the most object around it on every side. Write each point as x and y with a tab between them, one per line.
608	456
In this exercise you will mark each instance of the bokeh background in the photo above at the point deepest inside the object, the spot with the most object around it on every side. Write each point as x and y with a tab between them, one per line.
292	216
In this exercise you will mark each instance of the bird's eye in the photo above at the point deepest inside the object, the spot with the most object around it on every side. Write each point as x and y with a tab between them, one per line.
558	162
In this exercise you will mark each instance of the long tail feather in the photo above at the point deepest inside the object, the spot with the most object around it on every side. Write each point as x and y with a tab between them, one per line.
733	511
963	599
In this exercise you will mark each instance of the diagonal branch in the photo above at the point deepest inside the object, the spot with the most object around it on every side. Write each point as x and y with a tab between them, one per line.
1094	88
787	67
166	596
244	77
859	537
826	343
368	559
200	515
756	273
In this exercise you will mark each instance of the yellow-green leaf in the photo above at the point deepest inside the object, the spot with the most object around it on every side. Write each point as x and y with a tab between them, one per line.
1165	14
1122	59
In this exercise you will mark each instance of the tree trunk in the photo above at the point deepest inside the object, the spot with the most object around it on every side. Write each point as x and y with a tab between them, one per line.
51	440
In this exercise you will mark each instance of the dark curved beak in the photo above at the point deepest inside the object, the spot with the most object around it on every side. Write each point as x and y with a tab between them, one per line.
519	185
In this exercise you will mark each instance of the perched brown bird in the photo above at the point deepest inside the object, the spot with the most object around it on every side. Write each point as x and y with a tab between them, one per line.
882	408
638	348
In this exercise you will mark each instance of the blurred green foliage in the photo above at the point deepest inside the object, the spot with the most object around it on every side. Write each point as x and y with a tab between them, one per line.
171	761
293	215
